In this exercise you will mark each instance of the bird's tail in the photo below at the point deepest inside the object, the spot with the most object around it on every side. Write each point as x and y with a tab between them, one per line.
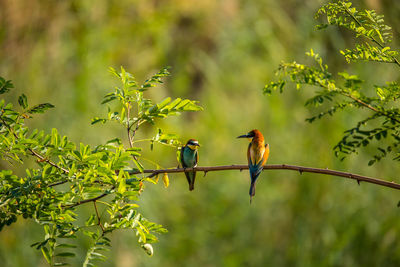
191	186
252	191
191	177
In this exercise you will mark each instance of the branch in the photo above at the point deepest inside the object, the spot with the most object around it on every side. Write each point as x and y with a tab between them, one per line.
370	107
98	217
373	39
300	169
87	200
33	152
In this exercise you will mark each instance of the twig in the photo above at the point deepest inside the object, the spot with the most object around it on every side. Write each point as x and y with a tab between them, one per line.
128	127
370	107
86	200
98	216
33	152
395	60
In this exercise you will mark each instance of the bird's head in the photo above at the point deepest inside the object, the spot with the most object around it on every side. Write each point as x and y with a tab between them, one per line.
193	144
251	134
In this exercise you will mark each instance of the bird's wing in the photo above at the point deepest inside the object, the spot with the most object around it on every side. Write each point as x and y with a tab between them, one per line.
265	155
257	156
182	161
249	155
197	158
257	159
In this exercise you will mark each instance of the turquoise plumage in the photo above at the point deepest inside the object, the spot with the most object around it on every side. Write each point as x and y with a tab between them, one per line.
189	159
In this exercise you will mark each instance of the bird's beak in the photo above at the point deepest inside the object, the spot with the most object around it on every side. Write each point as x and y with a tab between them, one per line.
243	136
197	145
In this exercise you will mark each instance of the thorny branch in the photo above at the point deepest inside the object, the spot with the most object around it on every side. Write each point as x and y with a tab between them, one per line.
300	169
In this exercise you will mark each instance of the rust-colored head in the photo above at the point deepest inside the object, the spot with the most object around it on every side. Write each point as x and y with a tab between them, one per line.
253	134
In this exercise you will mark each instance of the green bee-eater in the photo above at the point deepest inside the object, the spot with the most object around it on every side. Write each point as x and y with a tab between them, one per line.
189	159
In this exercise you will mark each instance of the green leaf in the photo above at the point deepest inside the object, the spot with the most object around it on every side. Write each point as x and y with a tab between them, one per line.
41	108
138	165
108	99
66	254
46	254
90	220
97	120
23	101
66	245
5	86
122	183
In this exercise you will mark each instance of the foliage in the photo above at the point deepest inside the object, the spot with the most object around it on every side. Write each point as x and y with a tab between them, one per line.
68	175
345	91
306	220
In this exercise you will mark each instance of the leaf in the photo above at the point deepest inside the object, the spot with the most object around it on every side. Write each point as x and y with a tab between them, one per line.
97	120
116	141
165	180
23	101
108	99
138	165
122	185
5	86
46	254
66	254
66	245
41	108
90	220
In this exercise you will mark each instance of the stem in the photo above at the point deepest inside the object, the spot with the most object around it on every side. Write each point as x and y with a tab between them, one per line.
87	200
128	127
98	216
359	101
301	169
369	106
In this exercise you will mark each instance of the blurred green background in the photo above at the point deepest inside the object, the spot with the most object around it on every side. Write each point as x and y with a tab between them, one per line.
221	53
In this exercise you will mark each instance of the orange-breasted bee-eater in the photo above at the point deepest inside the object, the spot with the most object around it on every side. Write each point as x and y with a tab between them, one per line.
257	156
189	159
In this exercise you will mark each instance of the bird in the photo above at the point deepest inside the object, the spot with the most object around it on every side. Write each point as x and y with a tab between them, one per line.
189	158
257	156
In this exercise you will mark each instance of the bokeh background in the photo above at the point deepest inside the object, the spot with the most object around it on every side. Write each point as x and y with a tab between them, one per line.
222	53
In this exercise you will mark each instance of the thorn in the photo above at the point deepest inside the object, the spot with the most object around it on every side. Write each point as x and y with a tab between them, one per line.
205	173
240	170
358	181
301	172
